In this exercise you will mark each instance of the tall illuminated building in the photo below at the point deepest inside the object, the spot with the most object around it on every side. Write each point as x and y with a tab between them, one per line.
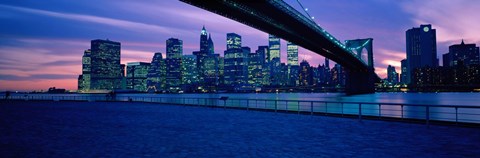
234	41
392	75
404	70
189	70
256	63
421	49
236	62
292	63
274	60
274	48
263	51
292	54
305	74
173	62
106	71
207	63
156	74
338	76
137	74
85	77
204	40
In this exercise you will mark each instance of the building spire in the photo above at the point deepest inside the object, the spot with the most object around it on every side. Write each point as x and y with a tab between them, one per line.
463	42
204	31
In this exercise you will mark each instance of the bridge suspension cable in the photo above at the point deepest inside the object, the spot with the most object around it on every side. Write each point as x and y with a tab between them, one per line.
306	12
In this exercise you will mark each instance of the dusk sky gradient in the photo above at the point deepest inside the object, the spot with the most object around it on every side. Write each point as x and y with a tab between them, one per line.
42	42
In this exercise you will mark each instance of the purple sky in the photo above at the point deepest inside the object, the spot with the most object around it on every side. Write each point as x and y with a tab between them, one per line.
42	42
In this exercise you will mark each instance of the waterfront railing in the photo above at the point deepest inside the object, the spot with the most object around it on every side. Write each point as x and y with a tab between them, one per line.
452	114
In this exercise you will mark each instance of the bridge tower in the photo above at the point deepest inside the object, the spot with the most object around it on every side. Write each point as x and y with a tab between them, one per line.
357	82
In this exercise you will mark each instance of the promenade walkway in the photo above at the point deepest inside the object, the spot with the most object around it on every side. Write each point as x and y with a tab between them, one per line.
132	129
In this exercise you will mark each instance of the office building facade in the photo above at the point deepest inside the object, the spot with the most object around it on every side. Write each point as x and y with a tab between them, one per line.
173	62
421	48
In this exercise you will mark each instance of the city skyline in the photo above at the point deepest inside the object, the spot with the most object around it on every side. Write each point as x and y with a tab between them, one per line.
61	46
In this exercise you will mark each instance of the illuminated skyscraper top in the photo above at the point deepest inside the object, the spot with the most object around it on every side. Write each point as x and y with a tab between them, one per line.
274	47
234	41
211	47
292	54
204	40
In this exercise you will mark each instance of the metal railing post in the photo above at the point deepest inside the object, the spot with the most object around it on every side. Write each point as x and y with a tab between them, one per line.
427	113
275	105
298	107
360	111
311	108
456	115
326	104
341	108
326	109
401	106
286	106
379	111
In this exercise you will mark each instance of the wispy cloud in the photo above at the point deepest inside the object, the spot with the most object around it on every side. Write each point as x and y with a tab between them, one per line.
454	20
130	25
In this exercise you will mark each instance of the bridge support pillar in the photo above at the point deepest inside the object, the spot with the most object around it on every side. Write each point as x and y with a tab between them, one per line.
357	82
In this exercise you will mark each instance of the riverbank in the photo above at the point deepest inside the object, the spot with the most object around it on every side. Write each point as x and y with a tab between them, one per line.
123	129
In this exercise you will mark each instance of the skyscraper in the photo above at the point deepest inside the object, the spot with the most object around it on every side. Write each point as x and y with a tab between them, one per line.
274	60
105	65
466	54
236	62
292	54
338	76
328	75
234	41
256	62
274	47
84	79
221	70
305	74
293	72
404	70
156	74
263	51
189	70
211	47
137	73
207	62
292	63
392	75
204	40
421	48
174	64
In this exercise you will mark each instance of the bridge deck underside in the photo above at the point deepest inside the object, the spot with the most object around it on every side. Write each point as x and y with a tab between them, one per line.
265	16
